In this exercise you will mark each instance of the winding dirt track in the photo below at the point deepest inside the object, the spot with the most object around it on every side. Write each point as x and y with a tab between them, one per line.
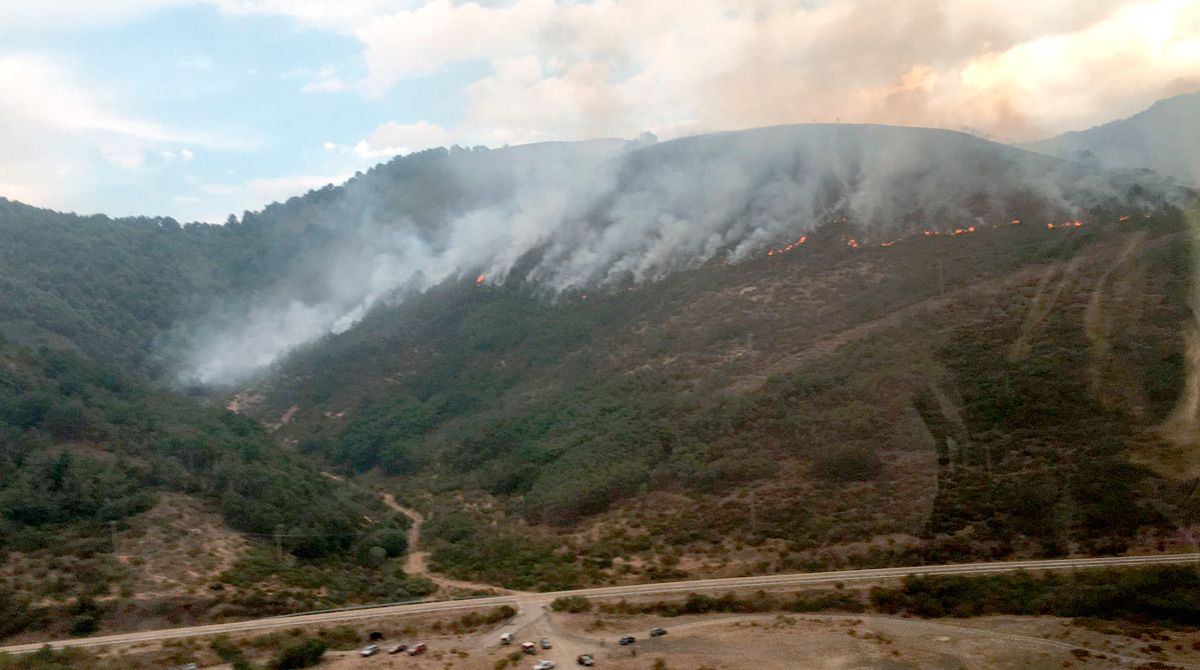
418	560
532	604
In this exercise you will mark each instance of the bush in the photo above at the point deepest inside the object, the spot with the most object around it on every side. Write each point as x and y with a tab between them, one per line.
15	615
847	464
301	654
1167	594
572	604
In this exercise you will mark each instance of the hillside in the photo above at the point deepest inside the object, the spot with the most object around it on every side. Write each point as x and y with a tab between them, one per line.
116	493
572	216
996	392
592	361
1151	139
203	304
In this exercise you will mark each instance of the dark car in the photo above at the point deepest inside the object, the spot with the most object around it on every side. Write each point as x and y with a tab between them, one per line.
586	660
626	640
658	632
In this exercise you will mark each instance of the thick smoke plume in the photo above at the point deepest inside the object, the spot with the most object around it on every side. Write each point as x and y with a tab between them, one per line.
570	216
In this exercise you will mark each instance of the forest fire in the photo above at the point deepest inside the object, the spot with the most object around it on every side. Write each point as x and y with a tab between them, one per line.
479	280
788	247
928	232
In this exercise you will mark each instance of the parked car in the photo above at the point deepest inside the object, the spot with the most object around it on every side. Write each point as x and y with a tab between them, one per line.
658	632
545	643
626	640
417	649
543	665
397	648
369	650
586	660
506	638
528	647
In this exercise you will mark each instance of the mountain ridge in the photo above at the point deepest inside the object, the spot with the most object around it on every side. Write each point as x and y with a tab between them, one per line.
1151	139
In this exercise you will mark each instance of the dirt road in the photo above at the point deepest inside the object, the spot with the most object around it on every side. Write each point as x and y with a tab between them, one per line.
418	560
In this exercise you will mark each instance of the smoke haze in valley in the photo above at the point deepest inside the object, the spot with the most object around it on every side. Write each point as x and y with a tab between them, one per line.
578	215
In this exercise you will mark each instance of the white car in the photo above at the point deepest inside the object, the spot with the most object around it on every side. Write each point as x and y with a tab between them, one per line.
369	650
543	665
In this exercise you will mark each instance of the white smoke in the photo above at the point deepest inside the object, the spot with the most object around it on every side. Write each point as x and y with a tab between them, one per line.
579	215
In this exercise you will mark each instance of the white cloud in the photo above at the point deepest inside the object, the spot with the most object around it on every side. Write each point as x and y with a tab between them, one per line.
338	15
58	135
392	138
61	137
560	69
197	62
75	15
326	81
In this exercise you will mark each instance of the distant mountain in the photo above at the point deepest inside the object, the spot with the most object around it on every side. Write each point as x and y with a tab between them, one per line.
1162	138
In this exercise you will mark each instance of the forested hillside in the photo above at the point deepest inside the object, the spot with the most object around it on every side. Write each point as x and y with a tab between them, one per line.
86	453
792	347
996	392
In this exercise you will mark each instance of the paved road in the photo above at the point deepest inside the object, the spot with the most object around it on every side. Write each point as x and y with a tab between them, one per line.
537	600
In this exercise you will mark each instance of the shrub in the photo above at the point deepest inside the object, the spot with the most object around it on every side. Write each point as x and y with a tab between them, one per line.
849	463
572	604
300	654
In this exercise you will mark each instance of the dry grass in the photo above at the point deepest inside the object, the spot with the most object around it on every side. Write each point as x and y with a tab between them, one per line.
178	547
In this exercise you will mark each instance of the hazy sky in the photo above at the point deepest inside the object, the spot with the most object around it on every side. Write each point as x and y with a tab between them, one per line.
199	108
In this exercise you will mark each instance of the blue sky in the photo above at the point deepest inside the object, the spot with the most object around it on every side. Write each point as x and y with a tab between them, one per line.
199	108
238	83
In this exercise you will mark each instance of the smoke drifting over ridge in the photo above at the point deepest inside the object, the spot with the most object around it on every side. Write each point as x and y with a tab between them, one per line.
599	213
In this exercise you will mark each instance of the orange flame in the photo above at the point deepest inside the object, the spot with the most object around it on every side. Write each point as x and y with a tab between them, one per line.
479	280
1016	222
